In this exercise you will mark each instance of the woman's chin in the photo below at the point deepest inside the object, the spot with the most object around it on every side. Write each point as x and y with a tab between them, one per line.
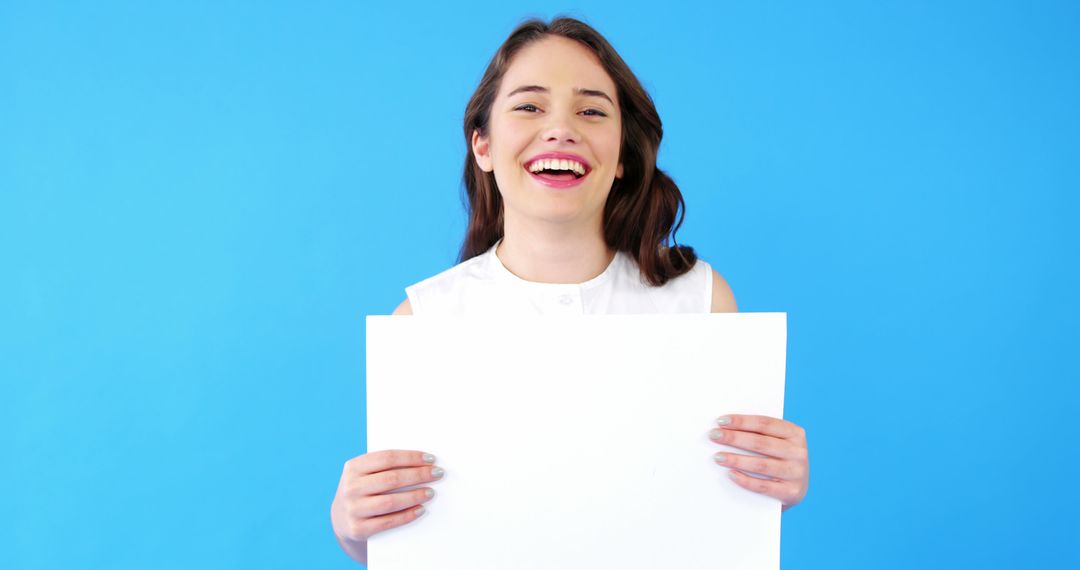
544	204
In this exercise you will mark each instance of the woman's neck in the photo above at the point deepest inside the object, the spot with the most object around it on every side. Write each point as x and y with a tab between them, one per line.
549	254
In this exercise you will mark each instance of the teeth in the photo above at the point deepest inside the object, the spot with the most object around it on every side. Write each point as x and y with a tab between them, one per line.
557	164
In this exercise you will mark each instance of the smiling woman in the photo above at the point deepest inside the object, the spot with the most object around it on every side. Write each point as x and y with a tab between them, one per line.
568	214
569	116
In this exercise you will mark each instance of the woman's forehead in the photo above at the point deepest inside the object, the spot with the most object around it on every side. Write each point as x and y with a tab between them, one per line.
558	64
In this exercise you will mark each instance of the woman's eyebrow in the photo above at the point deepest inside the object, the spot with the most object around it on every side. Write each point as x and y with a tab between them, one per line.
577	91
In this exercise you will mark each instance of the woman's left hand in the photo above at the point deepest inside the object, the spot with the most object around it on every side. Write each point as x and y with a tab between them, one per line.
786	462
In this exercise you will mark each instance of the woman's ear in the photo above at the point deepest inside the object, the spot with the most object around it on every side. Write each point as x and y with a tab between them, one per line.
481	148
618	171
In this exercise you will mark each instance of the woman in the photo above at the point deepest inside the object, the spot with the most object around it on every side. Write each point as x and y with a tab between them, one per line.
568	214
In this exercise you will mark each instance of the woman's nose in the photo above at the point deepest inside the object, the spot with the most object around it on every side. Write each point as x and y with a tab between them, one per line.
559	129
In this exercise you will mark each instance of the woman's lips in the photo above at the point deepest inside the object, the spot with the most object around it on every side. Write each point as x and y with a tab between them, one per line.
555	183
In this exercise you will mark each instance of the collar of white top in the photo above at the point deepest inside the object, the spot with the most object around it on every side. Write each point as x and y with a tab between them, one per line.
500	271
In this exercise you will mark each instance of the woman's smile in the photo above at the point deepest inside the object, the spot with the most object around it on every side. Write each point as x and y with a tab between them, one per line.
558	169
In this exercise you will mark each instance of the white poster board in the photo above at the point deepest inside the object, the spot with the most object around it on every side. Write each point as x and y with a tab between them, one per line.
575	442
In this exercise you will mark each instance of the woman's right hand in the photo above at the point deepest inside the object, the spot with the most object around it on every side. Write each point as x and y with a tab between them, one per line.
364	504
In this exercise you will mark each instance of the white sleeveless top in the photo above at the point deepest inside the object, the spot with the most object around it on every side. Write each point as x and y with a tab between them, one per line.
482	285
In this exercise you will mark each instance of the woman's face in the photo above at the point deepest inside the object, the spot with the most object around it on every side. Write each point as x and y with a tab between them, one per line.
555	97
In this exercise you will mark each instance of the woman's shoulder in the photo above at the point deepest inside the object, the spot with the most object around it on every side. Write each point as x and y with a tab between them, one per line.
446	286
717	290
405	308
723	299
719	296
472	268
699	289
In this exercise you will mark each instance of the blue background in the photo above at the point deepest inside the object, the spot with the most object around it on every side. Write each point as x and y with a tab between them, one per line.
200	201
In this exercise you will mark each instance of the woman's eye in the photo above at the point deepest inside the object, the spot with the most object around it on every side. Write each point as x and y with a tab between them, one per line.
531	108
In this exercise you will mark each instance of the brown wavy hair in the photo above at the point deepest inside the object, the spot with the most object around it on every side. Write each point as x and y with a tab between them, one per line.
644	207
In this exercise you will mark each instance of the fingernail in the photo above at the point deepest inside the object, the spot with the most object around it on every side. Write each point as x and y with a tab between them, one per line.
429	458
733	475
723	421
437	471
716	434
720	457
419	511
429	493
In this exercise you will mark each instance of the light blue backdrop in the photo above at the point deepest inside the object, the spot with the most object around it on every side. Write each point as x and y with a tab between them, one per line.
200	201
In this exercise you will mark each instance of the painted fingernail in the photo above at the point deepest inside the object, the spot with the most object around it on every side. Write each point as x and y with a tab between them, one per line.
419	511
720	457
723	421
716	434
733	475
429	458
430	493
437	471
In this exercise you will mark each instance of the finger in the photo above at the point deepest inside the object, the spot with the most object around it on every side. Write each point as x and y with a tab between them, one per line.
763	444
766	425
378	483
377	461
786	491
366	507
362	529
777	468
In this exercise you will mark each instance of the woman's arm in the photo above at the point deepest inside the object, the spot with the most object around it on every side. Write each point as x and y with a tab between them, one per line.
783	443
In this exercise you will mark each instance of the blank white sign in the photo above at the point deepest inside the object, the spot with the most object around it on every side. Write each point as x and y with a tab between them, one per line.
575	442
